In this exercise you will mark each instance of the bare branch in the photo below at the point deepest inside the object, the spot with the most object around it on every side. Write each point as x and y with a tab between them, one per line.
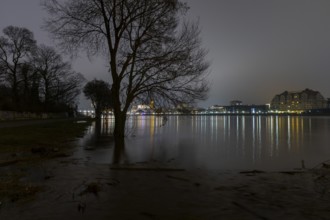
151	53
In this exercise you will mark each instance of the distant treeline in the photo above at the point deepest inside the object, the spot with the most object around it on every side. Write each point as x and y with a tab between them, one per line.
34	78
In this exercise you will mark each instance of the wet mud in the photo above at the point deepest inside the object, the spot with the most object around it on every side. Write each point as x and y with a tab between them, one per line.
73	188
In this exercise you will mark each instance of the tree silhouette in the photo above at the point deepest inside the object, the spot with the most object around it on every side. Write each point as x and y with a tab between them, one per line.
99	92
34	78
151	54
58	83
15	49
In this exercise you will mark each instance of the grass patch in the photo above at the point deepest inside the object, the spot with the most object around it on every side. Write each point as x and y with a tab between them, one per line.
50	135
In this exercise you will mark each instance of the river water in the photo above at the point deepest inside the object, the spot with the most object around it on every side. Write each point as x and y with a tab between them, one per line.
213	142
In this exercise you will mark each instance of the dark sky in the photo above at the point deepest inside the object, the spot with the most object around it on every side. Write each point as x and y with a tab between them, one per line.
257	48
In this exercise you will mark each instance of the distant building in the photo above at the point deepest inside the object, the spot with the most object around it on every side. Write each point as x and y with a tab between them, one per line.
247	109
152	104
198	110
235	103
216	109
299	101
184	108
141	109
238	109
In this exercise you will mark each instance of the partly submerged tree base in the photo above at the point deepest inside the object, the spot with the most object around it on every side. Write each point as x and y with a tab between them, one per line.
120	122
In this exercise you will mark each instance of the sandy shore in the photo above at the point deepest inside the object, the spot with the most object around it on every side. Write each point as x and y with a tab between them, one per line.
76	189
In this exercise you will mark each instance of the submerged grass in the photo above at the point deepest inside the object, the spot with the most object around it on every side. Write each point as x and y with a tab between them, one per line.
27	146
54	134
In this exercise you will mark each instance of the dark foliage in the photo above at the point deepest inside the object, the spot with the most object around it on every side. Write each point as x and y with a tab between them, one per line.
34	78
99	92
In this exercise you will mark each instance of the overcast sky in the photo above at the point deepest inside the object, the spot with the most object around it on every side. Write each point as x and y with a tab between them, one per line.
257	48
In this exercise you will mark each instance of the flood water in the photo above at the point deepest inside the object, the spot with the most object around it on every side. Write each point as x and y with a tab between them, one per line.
213	142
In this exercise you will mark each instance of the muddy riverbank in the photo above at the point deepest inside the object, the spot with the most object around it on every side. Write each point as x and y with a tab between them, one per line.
77	189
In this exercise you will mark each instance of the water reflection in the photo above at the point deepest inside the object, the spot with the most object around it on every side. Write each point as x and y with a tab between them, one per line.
213	142
99	134
119	155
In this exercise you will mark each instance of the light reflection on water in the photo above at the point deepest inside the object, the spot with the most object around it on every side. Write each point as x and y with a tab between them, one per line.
214	142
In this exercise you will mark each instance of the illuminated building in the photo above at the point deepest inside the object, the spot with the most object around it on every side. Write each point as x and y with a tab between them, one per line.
217	109
152	104
299	101
238	108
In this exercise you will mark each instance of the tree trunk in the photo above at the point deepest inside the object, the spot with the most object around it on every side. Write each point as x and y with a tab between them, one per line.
98	113
120	121
15	96
120	115
98	128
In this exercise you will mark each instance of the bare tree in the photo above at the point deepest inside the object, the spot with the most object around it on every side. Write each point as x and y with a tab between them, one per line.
29	88
15	49
99	92
152	55
58	83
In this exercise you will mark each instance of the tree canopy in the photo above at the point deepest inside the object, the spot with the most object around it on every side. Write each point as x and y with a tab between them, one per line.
34	78
16	47
99	92
152	54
